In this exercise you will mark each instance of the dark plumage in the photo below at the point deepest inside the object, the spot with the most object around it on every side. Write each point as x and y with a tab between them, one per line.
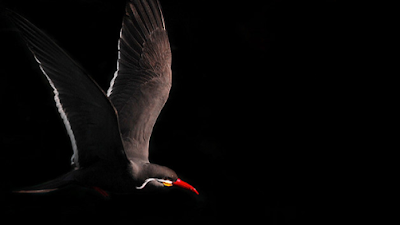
110	132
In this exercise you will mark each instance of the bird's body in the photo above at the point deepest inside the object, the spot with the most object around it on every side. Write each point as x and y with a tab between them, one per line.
110	131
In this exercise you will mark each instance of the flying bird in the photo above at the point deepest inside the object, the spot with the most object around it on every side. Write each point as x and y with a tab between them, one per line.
110	131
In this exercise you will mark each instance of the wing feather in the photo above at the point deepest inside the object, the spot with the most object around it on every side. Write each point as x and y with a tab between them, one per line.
141	84
89	117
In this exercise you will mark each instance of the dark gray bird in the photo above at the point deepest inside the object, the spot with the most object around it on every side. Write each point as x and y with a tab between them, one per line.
110	132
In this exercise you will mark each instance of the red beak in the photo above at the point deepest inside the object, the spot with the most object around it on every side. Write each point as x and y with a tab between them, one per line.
183	184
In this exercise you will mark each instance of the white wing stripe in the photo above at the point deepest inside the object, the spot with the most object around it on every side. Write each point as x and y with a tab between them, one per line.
74	158
109	91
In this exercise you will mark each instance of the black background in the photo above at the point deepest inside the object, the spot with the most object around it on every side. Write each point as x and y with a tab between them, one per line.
249	122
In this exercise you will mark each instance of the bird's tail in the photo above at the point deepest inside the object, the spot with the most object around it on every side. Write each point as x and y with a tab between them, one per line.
49	186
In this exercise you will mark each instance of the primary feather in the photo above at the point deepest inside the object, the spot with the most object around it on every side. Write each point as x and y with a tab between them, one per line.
88	115
142	82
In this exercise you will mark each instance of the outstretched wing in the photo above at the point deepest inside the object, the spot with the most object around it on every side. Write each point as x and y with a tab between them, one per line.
141	84
88	115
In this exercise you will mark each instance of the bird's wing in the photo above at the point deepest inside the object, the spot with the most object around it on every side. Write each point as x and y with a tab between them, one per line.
89	117
141	84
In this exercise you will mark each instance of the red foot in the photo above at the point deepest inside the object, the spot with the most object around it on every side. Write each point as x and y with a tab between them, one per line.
101	191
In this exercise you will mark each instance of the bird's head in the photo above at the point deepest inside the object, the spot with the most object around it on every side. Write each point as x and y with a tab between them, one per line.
156	176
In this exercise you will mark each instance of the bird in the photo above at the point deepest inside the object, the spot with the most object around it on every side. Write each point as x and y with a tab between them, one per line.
110	130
